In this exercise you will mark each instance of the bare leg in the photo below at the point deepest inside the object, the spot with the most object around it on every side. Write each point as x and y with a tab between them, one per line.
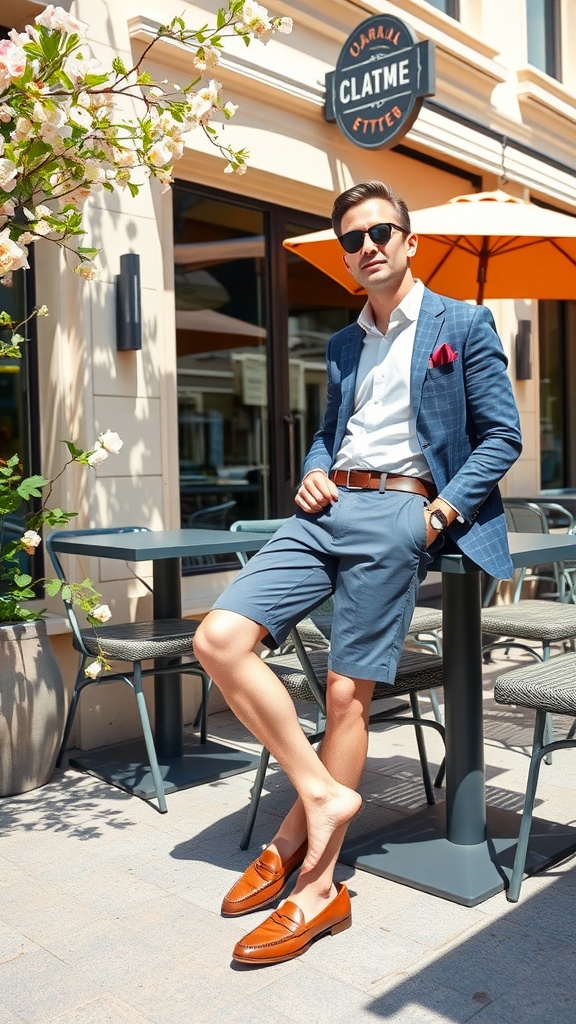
343	752
224	644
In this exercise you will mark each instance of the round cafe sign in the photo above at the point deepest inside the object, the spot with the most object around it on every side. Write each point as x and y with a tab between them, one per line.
381	78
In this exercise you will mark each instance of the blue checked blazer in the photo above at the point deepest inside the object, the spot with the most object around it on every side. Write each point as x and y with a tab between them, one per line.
466	419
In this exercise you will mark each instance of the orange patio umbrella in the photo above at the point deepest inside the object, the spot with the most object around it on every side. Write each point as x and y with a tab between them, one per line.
488	245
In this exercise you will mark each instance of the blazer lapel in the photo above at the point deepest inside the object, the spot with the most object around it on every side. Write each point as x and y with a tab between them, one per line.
428	328
351	350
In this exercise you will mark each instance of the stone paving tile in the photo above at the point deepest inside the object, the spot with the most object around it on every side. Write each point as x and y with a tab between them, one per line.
13	944
37	986
309	996
197	991
104	1010
410	1000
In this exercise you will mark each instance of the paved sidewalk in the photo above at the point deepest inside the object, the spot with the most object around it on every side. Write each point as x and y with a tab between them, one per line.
109	911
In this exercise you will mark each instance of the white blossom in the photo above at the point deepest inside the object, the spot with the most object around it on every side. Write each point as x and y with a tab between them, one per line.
12	255
98	456
30	541
8	172
12	62
101	613
58	19
93	669
111	441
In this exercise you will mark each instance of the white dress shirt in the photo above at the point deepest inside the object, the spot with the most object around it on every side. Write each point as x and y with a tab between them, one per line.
381	433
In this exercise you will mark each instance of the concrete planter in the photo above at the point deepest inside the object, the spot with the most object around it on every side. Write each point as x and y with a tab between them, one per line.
32	707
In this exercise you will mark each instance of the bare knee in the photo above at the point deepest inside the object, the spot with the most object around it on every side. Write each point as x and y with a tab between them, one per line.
348	700
223	637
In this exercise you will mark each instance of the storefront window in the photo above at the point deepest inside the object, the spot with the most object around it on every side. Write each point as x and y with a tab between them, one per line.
15	432
557	330
222	370
543	27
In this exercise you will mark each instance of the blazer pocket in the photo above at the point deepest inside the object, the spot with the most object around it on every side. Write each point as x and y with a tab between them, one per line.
442	371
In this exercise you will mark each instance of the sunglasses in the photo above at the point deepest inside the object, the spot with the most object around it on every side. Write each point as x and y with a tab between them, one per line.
380	234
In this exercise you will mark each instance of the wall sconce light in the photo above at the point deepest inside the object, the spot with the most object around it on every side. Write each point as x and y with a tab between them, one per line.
524	350
128	304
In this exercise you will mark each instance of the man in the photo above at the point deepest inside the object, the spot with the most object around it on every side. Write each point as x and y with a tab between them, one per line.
420	425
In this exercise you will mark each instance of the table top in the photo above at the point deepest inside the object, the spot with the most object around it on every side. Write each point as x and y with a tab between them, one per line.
526	548
155	544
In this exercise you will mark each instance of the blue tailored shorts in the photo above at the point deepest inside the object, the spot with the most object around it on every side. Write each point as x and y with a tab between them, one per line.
368	549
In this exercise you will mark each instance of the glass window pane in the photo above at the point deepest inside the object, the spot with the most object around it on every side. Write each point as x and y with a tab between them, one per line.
543	35
14	402
222	365
552	396
450	7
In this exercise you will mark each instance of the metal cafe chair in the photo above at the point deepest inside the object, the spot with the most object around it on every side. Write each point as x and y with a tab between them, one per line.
132	643
548	688
302	668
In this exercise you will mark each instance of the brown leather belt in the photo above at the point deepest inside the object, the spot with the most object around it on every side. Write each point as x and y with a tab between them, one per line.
368	480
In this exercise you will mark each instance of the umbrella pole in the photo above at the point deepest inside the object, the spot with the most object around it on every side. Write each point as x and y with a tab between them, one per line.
483	269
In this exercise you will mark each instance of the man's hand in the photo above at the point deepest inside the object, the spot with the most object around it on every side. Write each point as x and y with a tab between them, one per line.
315	492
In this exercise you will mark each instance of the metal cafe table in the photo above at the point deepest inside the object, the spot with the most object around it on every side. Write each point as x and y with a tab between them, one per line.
183	762
463	850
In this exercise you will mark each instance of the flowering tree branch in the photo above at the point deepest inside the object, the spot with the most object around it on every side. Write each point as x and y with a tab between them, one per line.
63	137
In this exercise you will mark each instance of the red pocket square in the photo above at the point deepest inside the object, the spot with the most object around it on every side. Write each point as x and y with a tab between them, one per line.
443	355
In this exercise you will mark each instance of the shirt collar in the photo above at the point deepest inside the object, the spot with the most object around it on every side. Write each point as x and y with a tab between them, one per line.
407	309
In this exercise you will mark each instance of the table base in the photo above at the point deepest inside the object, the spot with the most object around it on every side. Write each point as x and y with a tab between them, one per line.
126	765
415	852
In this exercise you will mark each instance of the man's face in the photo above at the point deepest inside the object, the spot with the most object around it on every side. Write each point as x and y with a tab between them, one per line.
378	267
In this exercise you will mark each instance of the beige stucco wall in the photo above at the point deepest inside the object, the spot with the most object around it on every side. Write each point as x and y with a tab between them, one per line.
300	161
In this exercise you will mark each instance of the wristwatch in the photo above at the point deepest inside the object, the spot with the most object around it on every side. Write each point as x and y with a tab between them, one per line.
438	520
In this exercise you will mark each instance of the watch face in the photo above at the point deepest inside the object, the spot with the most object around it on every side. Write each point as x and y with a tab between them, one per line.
438	520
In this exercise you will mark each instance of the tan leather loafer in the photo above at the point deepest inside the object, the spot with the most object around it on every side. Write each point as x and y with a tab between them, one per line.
262	882
285	934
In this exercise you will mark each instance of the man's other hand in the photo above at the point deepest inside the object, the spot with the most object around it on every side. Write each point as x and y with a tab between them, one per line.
315	492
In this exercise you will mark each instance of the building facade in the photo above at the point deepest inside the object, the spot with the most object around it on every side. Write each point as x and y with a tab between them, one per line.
217	408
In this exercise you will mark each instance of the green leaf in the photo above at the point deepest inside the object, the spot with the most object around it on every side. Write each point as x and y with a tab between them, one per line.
31	487
74	451
91	81
22	580
53	587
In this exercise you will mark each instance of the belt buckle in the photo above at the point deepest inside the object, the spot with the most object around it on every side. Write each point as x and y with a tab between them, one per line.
348	484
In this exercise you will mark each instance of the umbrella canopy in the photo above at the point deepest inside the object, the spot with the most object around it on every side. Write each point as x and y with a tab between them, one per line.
489	245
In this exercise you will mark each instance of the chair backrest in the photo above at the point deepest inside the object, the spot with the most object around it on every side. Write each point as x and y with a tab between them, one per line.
557	516
212	518
256	526
524	516
70	610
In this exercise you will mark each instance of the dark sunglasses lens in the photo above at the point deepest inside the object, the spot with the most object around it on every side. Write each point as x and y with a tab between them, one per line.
380	233
352	241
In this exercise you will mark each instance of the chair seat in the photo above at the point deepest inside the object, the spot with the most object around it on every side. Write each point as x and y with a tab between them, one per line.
416	671
549	686
425	620
531	620
137	641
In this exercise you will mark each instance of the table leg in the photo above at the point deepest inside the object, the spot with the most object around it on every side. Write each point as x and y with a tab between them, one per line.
463	709
168	689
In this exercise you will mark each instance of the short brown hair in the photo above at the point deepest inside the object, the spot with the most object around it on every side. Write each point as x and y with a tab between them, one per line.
369	190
